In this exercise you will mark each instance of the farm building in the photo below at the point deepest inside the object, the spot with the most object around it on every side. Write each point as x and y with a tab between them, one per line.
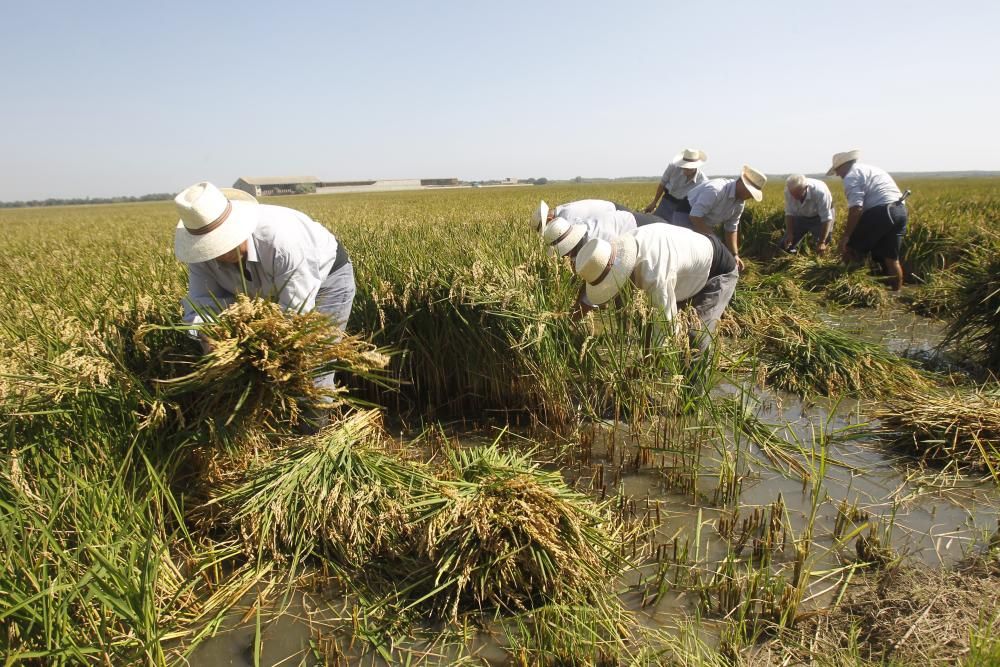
276	185
382	185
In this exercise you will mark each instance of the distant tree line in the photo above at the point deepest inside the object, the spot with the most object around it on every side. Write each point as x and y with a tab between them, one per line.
57	201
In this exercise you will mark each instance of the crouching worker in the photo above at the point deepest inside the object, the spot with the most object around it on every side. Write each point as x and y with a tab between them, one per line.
233	245
574	211
674	266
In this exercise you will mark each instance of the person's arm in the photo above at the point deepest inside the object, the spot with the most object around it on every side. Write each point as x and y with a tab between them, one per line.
827	215
789	234
582	305
853	216
656	198
663	297
204	294
699	225
730	239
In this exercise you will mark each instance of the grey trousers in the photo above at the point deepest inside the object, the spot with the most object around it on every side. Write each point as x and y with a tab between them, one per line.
709	304
802	226
335	299
667	210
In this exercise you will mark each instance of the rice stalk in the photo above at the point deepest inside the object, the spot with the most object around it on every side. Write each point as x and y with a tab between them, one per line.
950	427
336	494
506	535
262	371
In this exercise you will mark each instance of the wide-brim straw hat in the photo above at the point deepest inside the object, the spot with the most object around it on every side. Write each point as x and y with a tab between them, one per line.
690	158
754	181
562	236
842	158
540	215
213	221
606	267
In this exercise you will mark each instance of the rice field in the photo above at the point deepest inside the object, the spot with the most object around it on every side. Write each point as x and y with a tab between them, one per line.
503	485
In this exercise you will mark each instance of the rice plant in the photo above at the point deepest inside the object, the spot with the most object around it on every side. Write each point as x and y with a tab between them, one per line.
505	534
337	495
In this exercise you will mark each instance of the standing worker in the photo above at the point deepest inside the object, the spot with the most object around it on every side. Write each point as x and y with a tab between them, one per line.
808	210
234	245
876	217
720	202
682	174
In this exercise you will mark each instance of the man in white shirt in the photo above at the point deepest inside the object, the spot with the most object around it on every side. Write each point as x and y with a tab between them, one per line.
574	211
720	202
234	245
808	210
564	238
876	217
681	175
672	265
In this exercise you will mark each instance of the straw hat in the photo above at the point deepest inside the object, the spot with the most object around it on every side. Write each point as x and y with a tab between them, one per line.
690	158
842	158
212	222
606	267
562	236
754	180
540	215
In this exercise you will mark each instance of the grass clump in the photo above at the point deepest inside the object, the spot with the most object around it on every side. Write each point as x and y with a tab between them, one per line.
950	426
504	534
337	494
976	311
843	285
261	373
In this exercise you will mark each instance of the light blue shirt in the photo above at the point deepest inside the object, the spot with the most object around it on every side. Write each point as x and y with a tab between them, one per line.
676	182
818	202
868	187
288	256
716	202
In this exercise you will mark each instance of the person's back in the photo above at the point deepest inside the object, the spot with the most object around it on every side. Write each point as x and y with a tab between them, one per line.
577	211
671	261
867	186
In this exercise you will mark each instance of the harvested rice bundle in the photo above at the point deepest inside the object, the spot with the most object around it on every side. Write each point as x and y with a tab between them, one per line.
847	286
336	494
262	369
976	311
953	427
505	534
807	356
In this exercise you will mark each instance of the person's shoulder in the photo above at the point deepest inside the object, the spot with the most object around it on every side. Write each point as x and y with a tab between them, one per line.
819	184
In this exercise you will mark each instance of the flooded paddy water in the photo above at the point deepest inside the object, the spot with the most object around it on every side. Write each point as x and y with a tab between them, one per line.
717	518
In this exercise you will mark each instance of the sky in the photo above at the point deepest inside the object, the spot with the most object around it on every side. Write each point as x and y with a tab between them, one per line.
107	98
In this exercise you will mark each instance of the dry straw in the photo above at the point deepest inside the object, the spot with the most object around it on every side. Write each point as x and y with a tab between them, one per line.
505	534
261	373
949	426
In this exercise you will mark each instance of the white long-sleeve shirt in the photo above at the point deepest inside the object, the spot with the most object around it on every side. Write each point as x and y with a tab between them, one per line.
288	256
609	226
715	201
672	264
818	202
578	211
676	182
868	186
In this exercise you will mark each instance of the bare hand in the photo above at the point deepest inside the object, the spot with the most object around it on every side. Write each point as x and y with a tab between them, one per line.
207	346
821	248
649	209
739	263
580	310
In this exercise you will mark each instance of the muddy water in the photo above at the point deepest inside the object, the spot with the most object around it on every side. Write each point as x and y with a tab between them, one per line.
925	518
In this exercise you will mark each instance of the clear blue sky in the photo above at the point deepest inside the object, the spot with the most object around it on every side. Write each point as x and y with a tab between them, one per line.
104	98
